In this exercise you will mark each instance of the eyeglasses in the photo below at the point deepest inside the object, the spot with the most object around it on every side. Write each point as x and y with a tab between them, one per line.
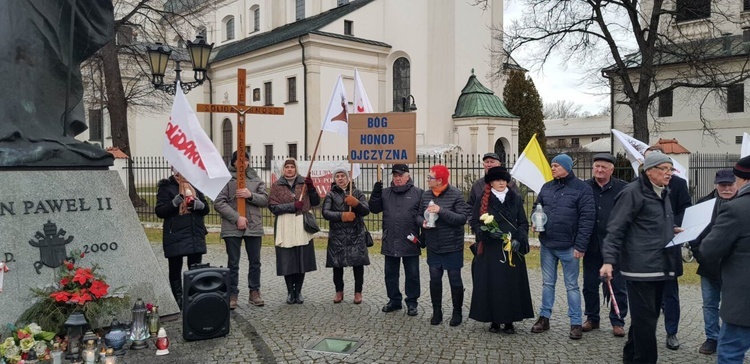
667	169
430	178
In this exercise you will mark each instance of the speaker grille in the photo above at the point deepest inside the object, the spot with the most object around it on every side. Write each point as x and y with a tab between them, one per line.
207	314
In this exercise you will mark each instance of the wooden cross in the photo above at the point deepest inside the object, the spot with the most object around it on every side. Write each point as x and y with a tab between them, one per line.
241	109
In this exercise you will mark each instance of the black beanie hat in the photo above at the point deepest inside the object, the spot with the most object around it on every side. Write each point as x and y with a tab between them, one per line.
742	168
234	157
496	173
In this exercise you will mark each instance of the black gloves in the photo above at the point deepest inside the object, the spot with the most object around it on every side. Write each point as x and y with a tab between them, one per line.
497	235
377	188
515	245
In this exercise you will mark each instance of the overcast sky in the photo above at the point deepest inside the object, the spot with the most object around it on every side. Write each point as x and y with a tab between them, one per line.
556	80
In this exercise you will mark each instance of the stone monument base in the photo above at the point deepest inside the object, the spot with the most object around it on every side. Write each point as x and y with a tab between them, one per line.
44	215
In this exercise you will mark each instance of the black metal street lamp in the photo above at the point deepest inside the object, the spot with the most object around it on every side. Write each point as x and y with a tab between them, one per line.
158	57
405	101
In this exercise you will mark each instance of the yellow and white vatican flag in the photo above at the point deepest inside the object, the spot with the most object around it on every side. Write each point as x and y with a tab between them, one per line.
190	151
634	149
745	151
337	115
532	167
361	101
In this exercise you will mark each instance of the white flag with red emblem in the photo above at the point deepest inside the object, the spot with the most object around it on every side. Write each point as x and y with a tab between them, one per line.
361	101
188	149
337	115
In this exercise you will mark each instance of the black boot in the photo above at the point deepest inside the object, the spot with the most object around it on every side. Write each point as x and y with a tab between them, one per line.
177	292
436	295
289	289
298	290
457	295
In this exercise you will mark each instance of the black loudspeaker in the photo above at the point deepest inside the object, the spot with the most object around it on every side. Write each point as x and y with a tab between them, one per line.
205	303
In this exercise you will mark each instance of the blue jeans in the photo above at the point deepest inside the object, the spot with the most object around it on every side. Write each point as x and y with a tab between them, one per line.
734	341
711	290
571	268
411	272
671	306
252	247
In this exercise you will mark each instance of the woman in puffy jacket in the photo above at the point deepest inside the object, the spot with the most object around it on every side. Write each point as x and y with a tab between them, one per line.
347	235
183	208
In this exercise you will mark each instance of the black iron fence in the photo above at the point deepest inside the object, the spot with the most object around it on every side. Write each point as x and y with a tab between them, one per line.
464	170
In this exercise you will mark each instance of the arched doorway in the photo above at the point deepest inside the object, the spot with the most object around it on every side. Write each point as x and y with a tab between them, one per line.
502	146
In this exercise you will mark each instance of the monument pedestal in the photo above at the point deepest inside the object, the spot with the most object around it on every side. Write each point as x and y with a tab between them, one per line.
46	214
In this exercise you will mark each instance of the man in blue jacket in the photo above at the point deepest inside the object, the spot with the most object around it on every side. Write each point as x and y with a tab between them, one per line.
569	205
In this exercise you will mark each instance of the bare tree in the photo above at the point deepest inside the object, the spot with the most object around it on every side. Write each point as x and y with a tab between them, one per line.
562	109
645	48
118	77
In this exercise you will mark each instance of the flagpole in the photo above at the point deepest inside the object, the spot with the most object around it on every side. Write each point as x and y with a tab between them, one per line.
351	181
312	160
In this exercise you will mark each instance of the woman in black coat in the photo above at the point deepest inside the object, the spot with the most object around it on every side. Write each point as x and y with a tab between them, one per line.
183	233
501	284
347	236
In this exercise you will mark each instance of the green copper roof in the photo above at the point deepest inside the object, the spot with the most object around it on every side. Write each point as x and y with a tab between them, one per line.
477	100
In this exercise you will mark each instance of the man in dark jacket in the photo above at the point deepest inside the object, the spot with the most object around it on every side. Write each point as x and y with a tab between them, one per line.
236	228
489	160
679	197
729	242
569	205
444	237
399	204
605	188
640	226
710	271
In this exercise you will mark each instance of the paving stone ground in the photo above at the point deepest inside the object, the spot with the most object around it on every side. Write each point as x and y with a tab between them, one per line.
278	332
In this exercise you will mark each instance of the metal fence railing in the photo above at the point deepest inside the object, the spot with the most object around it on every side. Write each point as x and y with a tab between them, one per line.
464	169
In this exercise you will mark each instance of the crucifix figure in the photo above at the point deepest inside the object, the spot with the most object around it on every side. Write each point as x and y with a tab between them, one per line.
241	109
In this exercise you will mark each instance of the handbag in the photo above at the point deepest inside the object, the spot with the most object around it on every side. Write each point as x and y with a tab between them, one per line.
368	236
310	223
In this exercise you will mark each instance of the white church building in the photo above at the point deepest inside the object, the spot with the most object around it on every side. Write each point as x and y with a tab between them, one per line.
420	51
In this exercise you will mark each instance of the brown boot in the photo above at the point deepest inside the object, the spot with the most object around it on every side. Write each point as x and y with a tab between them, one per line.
232	301
338	297
255	299
618	331
575	332
541	325
357	298
589	325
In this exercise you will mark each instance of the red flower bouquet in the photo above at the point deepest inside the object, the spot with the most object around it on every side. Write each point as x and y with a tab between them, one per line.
79	285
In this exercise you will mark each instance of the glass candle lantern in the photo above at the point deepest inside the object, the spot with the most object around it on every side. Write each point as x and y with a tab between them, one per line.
56	355
75	327
139	328
89	353
153	321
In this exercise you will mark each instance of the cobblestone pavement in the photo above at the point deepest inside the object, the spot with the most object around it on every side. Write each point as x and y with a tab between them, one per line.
278	332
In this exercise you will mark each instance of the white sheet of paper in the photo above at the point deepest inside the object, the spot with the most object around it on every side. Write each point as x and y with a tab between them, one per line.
2	274
694	222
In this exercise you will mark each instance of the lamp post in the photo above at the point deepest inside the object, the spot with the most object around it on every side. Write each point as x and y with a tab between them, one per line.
158	57
405	101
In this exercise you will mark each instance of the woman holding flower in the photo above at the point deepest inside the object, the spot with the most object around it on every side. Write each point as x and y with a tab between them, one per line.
501	284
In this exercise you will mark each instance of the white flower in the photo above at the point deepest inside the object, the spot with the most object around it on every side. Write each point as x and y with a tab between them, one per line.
40	347
34	328
484	217
489	219
8	343
27	344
